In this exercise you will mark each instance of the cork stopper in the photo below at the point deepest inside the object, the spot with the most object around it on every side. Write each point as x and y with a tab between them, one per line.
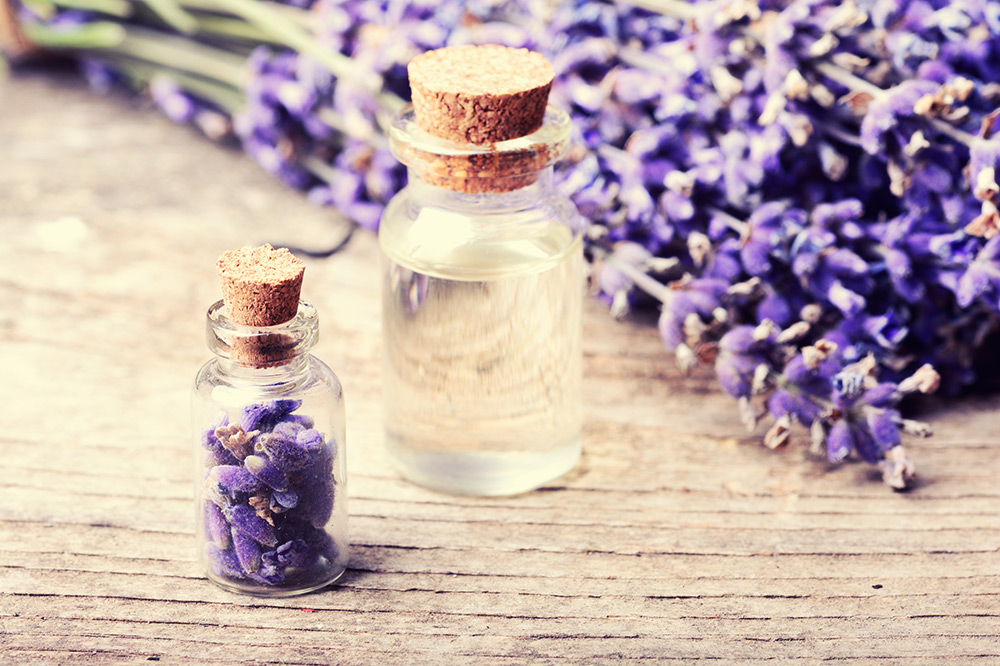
260	285
480	94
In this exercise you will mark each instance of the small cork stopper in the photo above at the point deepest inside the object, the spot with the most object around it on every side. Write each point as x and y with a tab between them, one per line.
480	94
260	285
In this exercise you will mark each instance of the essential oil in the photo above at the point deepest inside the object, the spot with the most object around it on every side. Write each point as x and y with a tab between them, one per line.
482	294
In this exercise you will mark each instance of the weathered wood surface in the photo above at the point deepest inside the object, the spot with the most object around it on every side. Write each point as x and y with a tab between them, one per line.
677	538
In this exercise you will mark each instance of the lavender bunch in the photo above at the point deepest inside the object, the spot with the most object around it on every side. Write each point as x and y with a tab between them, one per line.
307	88
808	189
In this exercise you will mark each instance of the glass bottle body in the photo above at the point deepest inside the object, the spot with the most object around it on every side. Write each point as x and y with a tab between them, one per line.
270	479
481	299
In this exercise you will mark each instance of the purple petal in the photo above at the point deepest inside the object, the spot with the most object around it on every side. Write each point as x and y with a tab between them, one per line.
310	440
292	553
233	479
670	330
284	453
282	501
866	446
884	430
265	416
775	308
739	340
881	395
734	382
246	520
843	261
316	500
247	551
839	441
288	429
845	300
756	256
781	403
216	527
223	561
267	472
972	283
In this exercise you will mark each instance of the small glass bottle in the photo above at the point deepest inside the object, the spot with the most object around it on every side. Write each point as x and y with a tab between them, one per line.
271	476
481	300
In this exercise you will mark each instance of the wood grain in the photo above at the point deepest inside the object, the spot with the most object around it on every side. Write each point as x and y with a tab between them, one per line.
677	539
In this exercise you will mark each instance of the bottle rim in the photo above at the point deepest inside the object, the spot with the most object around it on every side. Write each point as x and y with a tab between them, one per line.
261	346
494	167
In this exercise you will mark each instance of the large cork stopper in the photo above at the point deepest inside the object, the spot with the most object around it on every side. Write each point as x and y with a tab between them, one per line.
480	94
260	285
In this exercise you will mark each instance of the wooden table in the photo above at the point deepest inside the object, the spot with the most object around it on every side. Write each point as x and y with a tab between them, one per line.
678	537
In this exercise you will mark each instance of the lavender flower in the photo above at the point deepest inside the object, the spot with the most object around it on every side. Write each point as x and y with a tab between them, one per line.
269	496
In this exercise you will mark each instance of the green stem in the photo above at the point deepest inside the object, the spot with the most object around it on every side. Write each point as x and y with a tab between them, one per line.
173	15
319	168
301	17
642	280
43	9
183	54
294	36
733	222
232	28
227	98
646	61
684	11
289	33
97	35
119	8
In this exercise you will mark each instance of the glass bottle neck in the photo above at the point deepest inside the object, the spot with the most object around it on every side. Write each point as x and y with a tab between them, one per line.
288	370
262	352
540	186
515	167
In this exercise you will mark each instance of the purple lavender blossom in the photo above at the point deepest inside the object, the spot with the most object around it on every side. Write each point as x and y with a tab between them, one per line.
281	492
216	527
266	472
243	518
247	551
234	479
223	562
282	451
265	416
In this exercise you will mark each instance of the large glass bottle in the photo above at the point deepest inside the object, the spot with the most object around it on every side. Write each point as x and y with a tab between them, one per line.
481	300
271	482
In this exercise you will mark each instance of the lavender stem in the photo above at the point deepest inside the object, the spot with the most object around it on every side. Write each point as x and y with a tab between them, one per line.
233	28
227	98
684	11
119	8
183	54
173	15
292	35
641	279
846	78
97	35
301	17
